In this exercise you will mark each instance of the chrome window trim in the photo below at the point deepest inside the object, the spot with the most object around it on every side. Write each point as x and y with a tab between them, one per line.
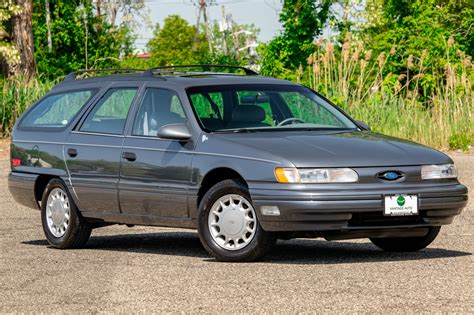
97	134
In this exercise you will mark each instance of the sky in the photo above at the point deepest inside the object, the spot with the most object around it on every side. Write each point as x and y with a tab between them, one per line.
262	13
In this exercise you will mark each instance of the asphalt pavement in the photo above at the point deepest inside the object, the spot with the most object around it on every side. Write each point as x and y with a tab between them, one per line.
149	269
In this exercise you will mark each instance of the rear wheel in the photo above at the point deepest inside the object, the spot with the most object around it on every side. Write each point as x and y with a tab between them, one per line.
228	225
406	244
63	225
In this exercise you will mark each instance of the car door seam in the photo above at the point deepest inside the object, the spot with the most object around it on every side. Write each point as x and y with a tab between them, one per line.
69	173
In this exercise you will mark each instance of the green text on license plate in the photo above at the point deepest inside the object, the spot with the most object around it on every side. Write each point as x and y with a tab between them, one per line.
400	205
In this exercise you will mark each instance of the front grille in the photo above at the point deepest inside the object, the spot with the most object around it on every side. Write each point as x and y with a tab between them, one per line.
378	219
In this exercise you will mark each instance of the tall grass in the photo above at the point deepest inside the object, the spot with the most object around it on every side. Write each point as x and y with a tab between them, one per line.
16	94
433	108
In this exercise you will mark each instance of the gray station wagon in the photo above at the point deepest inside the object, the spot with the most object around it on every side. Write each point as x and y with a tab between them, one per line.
242	158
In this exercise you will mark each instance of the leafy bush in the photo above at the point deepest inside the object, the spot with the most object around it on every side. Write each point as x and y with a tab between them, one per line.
459	142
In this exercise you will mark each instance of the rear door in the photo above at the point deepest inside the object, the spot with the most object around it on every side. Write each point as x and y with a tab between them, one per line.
156	173
93	151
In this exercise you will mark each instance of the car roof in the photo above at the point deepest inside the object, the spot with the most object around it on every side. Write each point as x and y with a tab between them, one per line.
178	78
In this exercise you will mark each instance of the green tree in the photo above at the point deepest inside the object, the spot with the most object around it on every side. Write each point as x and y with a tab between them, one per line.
421	35
177	43
302	21
77	41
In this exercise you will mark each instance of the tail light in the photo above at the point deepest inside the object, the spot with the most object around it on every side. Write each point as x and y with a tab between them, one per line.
16	162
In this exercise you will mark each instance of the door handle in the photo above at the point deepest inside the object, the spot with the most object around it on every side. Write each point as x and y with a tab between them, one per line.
72	152
129	156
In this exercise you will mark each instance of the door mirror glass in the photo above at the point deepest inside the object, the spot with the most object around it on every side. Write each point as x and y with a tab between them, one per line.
363	125
174	132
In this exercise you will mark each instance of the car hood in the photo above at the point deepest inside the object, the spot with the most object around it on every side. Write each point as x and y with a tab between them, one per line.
347	149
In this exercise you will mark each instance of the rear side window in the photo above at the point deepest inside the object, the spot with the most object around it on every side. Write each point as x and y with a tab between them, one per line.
56	111
110	114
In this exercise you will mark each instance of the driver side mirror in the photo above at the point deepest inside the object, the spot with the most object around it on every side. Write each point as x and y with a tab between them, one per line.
178	132
363	125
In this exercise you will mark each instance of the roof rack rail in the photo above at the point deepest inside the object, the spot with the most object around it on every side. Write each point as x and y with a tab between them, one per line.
204	66
72	76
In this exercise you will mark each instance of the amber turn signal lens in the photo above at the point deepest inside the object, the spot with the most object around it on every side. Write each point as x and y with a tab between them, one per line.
287	175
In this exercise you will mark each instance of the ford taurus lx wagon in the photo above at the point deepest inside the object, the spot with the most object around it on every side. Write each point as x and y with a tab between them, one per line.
242	158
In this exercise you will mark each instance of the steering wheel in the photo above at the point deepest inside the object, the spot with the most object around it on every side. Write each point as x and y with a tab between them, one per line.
286	121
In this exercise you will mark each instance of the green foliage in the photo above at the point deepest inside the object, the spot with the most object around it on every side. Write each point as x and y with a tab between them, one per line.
302	21
460	142
8	51
175	44
437	32
80	39
133	62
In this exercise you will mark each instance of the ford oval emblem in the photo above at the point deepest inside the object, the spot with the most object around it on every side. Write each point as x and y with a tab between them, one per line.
390	175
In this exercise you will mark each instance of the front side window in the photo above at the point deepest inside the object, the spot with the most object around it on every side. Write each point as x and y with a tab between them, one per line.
110	114
265	108
58	110
159	107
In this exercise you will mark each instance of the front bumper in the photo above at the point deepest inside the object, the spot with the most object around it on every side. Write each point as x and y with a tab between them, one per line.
306	208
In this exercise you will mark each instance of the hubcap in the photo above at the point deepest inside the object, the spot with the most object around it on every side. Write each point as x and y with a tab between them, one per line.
232	222
57	212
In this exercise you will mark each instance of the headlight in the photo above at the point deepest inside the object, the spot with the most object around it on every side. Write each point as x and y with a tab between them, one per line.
439	171
316	175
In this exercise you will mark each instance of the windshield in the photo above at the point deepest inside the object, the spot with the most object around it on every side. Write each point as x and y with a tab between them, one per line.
264	108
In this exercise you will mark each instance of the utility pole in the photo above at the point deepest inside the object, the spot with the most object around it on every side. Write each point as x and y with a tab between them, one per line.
202	5
224	28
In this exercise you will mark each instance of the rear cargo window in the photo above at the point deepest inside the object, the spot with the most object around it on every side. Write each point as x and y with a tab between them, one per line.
56	111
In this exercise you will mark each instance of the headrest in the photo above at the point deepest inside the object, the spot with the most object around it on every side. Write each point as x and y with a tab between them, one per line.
254	99
248	113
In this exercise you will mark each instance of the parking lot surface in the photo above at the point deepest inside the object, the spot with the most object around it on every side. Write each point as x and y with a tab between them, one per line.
148	269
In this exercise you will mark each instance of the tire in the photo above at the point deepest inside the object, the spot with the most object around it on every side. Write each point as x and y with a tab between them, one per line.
406	244
74	231
254	242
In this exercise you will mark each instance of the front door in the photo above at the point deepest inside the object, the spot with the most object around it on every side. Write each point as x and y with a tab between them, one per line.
93	152
155	173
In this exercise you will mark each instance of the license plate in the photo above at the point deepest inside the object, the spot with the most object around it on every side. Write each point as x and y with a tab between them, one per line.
401	205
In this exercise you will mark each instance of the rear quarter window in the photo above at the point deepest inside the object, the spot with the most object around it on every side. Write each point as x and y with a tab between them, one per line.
57	110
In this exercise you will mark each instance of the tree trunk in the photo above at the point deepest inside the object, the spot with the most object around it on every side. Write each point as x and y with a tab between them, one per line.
22	35
48	25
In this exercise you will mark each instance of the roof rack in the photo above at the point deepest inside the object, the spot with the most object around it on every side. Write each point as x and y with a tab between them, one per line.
73	75
203	66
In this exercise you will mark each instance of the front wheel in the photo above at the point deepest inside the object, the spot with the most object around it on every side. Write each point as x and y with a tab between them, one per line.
63	225
406	244
228	226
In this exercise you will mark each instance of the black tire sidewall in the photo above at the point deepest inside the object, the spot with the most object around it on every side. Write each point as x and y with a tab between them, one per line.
73	219
254	249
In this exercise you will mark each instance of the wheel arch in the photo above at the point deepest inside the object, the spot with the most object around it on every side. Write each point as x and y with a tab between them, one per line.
40	185
215	176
